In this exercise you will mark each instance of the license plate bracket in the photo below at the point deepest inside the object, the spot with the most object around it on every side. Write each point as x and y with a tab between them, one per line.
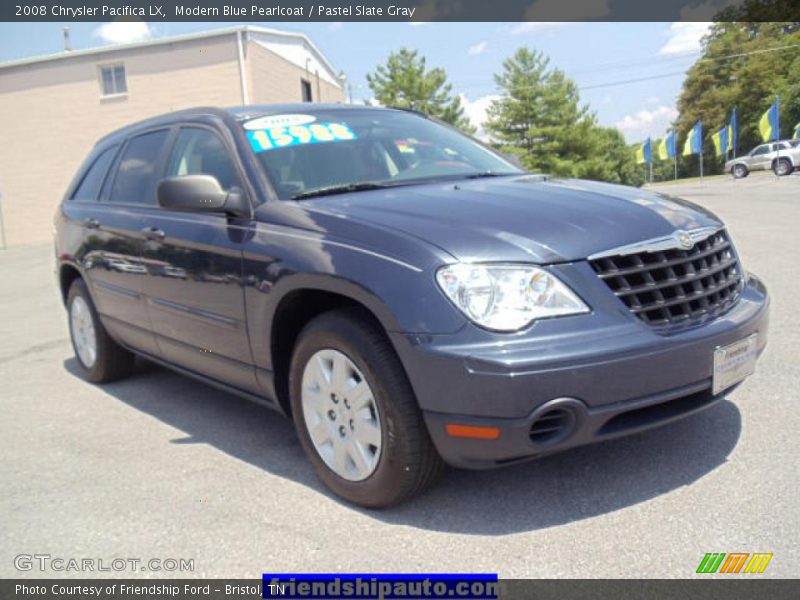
734	362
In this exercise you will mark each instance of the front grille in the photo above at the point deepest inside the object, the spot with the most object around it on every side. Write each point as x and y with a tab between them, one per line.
674	287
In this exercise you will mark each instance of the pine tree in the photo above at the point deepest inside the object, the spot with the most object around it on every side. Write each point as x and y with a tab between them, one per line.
406	82
539	118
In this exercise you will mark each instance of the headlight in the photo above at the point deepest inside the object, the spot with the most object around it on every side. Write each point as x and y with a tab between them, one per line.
507	297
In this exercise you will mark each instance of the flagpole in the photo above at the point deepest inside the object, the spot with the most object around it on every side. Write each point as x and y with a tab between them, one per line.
675	160
701	163
778	130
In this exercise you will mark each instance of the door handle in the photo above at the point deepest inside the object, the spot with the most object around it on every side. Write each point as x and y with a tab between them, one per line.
91	223
153	233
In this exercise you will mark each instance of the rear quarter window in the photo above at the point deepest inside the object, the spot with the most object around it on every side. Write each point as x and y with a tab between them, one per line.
92	182
135	181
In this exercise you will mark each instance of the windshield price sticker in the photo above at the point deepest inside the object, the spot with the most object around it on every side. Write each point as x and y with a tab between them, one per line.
295	135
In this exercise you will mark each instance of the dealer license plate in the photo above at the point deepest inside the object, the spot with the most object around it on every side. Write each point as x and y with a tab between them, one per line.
734	362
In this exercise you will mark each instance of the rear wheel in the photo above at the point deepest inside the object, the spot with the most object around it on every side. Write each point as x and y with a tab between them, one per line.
356	415
100	359
740	171
782	166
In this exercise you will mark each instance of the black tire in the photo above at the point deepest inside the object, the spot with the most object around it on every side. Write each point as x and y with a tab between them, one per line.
408	463
782	167
740	171
112	361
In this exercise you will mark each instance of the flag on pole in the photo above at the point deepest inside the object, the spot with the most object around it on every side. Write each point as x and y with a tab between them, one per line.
666	148
720	140
694	141
768	125
733	131
644	154
797	131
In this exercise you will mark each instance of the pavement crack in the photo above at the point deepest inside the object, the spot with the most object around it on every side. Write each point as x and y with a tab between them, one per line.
34	350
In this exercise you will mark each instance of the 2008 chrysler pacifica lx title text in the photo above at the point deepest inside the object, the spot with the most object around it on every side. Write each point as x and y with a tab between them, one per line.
406	294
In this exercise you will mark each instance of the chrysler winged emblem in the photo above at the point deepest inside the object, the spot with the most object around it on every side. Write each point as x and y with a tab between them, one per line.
684	239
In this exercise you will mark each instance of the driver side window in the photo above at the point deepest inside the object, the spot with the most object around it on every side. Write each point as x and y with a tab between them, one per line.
760	150
200	152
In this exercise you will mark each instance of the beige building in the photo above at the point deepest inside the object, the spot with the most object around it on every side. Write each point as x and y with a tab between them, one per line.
54	108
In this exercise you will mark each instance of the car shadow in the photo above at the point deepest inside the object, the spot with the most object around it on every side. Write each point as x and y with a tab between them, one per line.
566	487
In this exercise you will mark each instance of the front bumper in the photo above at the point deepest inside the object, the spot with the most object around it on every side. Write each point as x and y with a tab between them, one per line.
597	376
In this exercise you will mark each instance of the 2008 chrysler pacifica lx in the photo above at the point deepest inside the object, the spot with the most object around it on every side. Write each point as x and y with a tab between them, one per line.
406	294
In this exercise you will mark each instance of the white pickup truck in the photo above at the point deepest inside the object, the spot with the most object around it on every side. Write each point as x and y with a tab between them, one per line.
782	157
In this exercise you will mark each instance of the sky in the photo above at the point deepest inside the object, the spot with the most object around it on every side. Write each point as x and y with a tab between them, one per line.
605	59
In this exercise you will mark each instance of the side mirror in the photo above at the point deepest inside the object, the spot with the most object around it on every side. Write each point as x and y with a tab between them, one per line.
200	193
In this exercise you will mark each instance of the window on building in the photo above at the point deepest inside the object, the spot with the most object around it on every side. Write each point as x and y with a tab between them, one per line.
135	181
112	80
89	188
305	90
201	152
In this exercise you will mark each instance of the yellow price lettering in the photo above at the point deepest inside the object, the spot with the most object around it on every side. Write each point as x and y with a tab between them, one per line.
280	136
263	139
302	134
321	133
340	132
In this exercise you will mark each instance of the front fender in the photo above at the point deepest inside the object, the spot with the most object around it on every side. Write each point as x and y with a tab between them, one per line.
399	290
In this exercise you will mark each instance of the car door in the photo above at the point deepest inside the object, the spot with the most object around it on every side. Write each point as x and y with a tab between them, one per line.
193	286
760	158
114	240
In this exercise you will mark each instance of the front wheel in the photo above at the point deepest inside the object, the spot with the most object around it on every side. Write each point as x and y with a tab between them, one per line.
782	167
356	414
740	171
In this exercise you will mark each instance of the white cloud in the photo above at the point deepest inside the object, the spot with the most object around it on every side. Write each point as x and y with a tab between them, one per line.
335	26
478	48
684	38
653	100
418	23
476	111
653	123
123	32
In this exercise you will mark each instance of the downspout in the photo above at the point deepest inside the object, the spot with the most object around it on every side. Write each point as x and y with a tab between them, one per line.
242	74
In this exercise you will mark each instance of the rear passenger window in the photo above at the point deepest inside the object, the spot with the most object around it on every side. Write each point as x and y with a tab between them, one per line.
135	181
201	152
89	188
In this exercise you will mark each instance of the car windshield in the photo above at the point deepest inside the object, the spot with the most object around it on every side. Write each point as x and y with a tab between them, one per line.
341	150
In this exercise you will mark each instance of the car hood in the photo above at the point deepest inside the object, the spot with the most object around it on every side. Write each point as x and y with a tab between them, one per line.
526	218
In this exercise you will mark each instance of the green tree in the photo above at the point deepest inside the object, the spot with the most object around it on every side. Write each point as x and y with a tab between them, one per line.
406	82
540	118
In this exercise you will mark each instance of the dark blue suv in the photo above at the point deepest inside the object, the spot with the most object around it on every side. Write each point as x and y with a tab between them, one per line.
409	296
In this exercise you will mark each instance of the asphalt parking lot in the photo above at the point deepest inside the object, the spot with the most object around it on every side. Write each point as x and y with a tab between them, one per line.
160	466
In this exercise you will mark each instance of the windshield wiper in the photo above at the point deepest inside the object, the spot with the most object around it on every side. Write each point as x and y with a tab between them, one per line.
340	189
485	174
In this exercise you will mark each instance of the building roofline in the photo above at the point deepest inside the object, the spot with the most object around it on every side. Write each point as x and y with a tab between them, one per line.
21	62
